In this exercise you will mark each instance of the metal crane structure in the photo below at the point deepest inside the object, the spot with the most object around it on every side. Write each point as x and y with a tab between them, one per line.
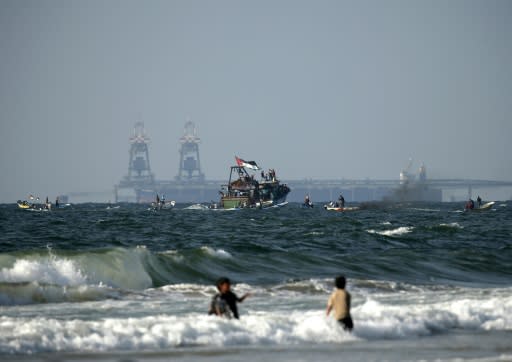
139	177
405	176
190	164
422	173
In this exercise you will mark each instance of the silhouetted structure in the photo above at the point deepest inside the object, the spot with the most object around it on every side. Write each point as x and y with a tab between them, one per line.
190	164
139	177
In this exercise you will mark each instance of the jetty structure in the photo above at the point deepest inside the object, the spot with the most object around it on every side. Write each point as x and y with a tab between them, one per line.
191	184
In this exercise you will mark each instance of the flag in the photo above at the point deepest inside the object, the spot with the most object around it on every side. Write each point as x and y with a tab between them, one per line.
249	164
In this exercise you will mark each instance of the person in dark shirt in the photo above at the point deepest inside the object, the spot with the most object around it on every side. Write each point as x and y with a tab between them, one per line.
341	201
224	302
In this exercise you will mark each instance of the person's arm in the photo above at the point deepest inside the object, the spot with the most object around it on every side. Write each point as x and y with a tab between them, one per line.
329	306
243	297
328	311
217	310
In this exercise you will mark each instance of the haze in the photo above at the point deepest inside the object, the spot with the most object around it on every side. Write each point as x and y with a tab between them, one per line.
316	89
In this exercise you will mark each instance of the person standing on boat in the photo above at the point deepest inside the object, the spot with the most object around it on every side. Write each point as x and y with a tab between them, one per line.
470	205
57	202
341	201
479	201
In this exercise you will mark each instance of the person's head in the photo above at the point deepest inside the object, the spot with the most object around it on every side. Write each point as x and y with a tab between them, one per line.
340	282
223	285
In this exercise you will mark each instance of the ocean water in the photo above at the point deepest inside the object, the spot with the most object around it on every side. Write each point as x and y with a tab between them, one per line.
87	282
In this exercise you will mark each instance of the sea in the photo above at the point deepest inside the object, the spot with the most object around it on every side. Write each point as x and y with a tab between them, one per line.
96	282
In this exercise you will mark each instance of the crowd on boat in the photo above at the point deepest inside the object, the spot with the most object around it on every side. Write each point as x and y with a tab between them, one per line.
269	176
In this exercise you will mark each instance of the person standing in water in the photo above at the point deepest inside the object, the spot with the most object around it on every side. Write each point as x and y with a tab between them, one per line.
339	301
224	302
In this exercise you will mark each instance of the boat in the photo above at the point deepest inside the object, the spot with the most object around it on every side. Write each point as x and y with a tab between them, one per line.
26	205
341	209
244	191
307	204
162	204
335	206
23	204
485	207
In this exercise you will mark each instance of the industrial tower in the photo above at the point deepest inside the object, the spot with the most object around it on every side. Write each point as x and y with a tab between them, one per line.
190	166
139	171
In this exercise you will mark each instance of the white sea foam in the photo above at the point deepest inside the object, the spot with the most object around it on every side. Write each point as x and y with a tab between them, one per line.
377	319
393	232
315	233
196	207
49	270
454	225
118	268
219	253
424	209
374	317
164	332
188	288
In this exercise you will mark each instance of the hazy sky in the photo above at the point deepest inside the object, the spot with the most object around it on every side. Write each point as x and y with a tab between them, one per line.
322	89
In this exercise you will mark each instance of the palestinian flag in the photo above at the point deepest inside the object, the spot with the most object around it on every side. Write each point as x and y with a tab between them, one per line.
248	164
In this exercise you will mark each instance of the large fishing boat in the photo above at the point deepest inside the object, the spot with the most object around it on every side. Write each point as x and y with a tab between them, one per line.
244	191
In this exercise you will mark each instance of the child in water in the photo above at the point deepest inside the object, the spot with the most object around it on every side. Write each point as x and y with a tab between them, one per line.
224	302
340	302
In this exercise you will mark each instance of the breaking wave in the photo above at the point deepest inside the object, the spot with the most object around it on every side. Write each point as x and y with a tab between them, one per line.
381	310
36	277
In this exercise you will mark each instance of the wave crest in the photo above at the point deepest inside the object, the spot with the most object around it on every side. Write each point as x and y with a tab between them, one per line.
393	232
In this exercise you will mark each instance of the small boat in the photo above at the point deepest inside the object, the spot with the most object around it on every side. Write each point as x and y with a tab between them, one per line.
23	204
162	205
341	209
244	191
485	207
34	204
333	206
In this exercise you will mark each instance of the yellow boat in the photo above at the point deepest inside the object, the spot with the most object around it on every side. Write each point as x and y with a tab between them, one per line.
23	204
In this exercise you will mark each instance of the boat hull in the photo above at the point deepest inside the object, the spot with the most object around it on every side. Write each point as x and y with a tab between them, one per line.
23	206
341	209
485	207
